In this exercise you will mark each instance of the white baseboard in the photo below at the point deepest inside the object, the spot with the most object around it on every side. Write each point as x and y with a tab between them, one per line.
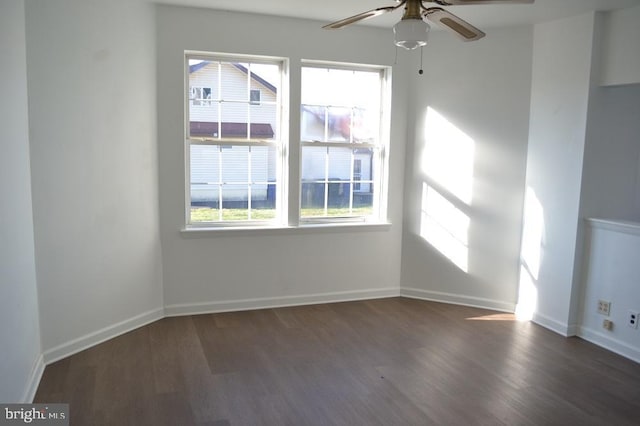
457	299
34	380
81	343
554	325
609	343
278	302
84	342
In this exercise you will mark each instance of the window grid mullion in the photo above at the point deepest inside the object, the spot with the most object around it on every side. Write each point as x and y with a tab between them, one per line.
249	102
326	182
220	183
351	183
249	183
219	100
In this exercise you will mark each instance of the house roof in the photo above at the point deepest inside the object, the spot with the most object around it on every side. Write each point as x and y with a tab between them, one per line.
230	130
254	76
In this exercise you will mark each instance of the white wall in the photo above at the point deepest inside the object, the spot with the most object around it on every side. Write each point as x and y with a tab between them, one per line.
611	177
276	267
611	274
482	89
20	362
562	56
91	75
611	191
611	172
620	55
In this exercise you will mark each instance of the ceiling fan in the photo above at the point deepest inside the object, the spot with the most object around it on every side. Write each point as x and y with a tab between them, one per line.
411	32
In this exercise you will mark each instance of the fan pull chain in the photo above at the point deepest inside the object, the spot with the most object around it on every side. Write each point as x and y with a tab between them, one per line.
420	71
395	61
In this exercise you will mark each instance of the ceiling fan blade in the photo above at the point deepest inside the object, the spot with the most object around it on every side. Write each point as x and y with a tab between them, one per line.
451	22
361	16
463	2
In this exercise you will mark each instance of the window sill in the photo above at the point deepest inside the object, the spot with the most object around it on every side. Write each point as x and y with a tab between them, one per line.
307	228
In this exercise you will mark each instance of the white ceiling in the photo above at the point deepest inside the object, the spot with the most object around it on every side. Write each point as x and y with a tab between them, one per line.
483	16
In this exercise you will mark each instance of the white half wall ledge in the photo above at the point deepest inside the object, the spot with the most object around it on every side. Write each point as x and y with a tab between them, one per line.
457	299
92	339
608	343
623	226
278	302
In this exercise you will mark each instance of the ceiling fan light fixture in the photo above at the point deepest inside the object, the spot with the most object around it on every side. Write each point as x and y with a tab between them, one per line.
411	33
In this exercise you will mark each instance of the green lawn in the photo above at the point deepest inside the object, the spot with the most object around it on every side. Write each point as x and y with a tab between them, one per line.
335	212
206	214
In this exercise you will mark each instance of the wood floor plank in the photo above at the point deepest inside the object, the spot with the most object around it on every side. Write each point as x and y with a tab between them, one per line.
390	361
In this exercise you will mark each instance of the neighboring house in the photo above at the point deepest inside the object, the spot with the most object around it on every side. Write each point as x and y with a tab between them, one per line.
225	113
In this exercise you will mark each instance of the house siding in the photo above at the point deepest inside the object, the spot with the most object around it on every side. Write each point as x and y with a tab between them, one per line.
229	105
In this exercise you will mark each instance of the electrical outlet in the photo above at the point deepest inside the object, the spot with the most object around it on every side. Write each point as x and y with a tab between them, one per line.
632	319
607	324
604	307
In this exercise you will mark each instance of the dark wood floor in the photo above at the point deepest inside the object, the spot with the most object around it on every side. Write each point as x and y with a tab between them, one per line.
382	362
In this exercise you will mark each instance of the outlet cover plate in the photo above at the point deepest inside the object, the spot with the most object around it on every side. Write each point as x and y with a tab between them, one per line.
632	319
604	307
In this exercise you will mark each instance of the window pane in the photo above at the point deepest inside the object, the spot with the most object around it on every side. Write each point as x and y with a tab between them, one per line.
314	163
365	90
366	125
340	87
263	164
263	118
201	213
235	80
235	164
339	127
263	181
314	82
340	164
312	199
235	204
313	121
204	182
203	92
235	120
266	78
263	213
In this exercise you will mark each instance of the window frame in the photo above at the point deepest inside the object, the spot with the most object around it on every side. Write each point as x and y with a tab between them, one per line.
380	149
280	140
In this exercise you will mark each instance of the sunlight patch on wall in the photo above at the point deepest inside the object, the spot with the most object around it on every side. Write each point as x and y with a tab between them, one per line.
530	255
448	156
447	162
445	227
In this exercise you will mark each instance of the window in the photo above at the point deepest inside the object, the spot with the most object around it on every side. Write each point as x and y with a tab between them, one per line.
255	96
200	96
342	122
234	139
236	142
